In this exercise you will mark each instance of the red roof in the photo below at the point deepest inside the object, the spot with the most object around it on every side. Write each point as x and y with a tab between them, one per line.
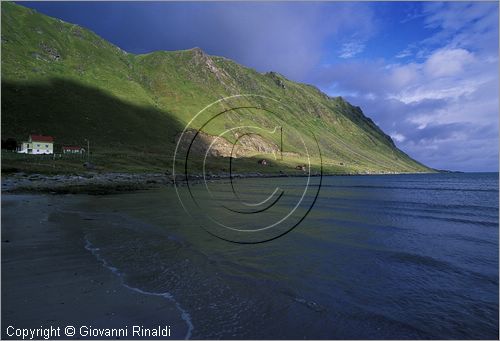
72	147
41	138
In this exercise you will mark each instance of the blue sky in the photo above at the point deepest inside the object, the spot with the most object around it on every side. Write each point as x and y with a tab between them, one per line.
425	72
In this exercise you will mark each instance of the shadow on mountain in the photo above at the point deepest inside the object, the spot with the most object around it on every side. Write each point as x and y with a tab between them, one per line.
72	112
122	135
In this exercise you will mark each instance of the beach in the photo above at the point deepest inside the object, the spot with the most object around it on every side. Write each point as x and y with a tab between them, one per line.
50	278
378	257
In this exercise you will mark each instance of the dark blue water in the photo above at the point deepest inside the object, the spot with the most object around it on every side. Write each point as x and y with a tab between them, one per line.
393	256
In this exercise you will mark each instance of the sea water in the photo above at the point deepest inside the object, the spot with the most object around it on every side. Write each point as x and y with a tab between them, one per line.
389	256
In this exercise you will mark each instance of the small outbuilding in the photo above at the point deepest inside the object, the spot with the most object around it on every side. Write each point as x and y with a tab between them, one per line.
72	150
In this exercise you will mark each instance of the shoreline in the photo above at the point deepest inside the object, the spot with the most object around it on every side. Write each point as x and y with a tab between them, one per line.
111	261
166	295
50	271
112	183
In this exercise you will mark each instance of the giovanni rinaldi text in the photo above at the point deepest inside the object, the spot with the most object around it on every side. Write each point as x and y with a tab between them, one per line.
86	331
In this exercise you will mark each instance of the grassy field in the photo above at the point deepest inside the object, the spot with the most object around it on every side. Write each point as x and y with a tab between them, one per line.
62	80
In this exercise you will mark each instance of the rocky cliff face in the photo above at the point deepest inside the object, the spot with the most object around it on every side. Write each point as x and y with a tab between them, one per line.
216	146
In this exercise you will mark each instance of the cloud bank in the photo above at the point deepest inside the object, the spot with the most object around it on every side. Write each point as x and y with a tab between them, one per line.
440	104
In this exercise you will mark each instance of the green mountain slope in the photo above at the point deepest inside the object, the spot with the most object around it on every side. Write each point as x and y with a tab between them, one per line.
62	80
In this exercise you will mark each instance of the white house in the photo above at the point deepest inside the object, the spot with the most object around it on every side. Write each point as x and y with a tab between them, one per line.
37	144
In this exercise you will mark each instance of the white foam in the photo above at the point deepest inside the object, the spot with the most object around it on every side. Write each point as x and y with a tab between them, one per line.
184	314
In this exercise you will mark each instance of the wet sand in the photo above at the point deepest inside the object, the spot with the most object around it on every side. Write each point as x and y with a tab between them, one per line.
49	278
392	257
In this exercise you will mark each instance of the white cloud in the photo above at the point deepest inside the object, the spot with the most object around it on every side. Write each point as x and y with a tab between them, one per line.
398	137
403	75
442	108
463	24
437	90
448	62
403	54
351	49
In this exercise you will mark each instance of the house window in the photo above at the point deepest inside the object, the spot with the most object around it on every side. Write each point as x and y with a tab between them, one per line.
46	146
38	150
38	145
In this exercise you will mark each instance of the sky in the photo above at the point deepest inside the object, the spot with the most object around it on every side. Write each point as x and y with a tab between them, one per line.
425	72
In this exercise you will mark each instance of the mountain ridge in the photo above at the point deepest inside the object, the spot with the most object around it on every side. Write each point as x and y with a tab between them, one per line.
45	55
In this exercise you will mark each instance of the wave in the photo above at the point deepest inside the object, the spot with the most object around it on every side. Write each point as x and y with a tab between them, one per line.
186	317
416	213
440	265
417	204
415	188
